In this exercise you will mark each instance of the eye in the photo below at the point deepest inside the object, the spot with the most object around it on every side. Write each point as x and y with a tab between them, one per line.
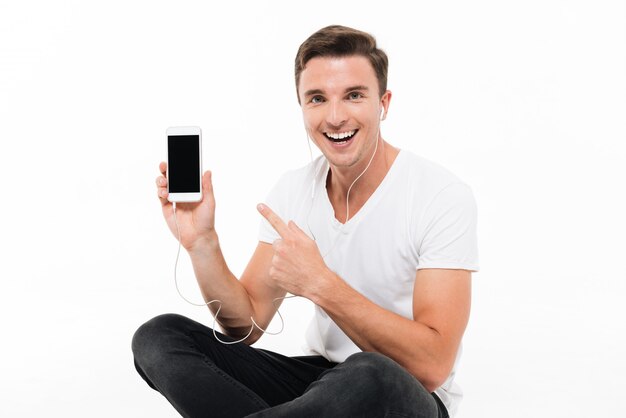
355	95
317	99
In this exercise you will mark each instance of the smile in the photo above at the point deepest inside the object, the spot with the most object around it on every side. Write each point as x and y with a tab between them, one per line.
341	137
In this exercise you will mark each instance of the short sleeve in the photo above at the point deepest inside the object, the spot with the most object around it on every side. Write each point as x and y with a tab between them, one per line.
447	236
278	201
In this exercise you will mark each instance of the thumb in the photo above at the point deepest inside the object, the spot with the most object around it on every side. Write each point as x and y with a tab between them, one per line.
207	185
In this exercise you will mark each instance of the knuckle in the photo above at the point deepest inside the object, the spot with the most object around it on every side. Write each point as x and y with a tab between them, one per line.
283	247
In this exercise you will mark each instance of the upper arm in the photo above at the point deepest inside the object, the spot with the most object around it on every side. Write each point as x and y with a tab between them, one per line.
256	280
441	301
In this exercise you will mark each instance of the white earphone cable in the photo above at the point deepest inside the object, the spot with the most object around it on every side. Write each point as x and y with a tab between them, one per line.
254	324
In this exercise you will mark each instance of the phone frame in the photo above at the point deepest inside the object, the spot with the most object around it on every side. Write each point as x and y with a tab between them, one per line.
179	131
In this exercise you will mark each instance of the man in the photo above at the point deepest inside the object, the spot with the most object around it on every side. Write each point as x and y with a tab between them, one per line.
382	242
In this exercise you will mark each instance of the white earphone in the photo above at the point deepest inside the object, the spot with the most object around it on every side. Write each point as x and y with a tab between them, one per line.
382	114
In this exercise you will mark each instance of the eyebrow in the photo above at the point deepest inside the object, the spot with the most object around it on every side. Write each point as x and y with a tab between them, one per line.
349	89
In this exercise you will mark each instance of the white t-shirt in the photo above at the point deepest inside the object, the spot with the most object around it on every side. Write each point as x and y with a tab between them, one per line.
420	216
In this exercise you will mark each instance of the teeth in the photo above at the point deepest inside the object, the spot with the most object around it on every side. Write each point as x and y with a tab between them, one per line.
341	135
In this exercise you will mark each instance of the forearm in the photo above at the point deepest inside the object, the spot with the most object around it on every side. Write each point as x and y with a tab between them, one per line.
216	281
413	345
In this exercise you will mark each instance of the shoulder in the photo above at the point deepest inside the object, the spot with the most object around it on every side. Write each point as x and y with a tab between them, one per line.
427	179
442	216
427	170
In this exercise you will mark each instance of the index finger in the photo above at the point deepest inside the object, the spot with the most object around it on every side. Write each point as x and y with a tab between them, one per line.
274	220
163	168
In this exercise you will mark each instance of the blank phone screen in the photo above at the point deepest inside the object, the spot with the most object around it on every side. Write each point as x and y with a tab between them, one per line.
183	153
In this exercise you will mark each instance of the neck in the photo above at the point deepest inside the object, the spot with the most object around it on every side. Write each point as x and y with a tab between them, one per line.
342	179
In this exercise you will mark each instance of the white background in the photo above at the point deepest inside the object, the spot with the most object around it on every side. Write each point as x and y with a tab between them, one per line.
526	101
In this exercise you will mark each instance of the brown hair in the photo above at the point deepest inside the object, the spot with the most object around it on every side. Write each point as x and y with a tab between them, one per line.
341	41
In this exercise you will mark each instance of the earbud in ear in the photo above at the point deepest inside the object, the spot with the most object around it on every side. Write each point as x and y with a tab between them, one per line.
382	114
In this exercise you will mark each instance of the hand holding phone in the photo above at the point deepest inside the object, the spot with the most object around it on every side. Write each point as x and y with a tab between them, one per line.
195	210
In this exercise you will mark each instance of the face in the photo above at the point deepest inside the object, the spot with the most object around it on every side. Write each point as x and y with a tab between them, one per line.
342	108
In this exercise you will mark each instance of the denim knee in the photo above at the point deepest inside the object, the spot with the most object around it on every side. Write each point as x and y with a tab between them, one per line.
373	366
383	378
150	339
367	358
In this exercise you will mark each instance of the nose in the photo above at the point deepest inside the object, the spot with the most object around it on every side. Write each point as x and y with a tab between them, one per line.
336	115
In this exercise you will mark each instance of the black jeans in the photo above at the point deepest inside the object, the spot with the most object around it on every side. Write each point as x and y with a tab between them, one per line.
202	377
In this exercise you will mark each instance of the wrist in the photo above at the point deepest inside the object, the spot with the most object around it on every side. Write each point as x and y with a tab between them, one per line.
204	244
326	285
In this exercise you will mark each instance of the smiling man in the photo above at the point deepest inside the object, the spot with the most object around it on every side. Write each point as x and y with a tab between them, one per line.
382	241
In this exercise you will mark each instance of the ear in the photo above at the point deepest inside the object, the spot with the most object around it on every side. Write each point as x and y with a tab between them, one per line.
384	102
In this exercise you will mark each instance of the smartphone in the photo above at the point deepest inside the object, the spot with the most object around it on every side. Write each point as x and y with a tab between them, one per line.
184	164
